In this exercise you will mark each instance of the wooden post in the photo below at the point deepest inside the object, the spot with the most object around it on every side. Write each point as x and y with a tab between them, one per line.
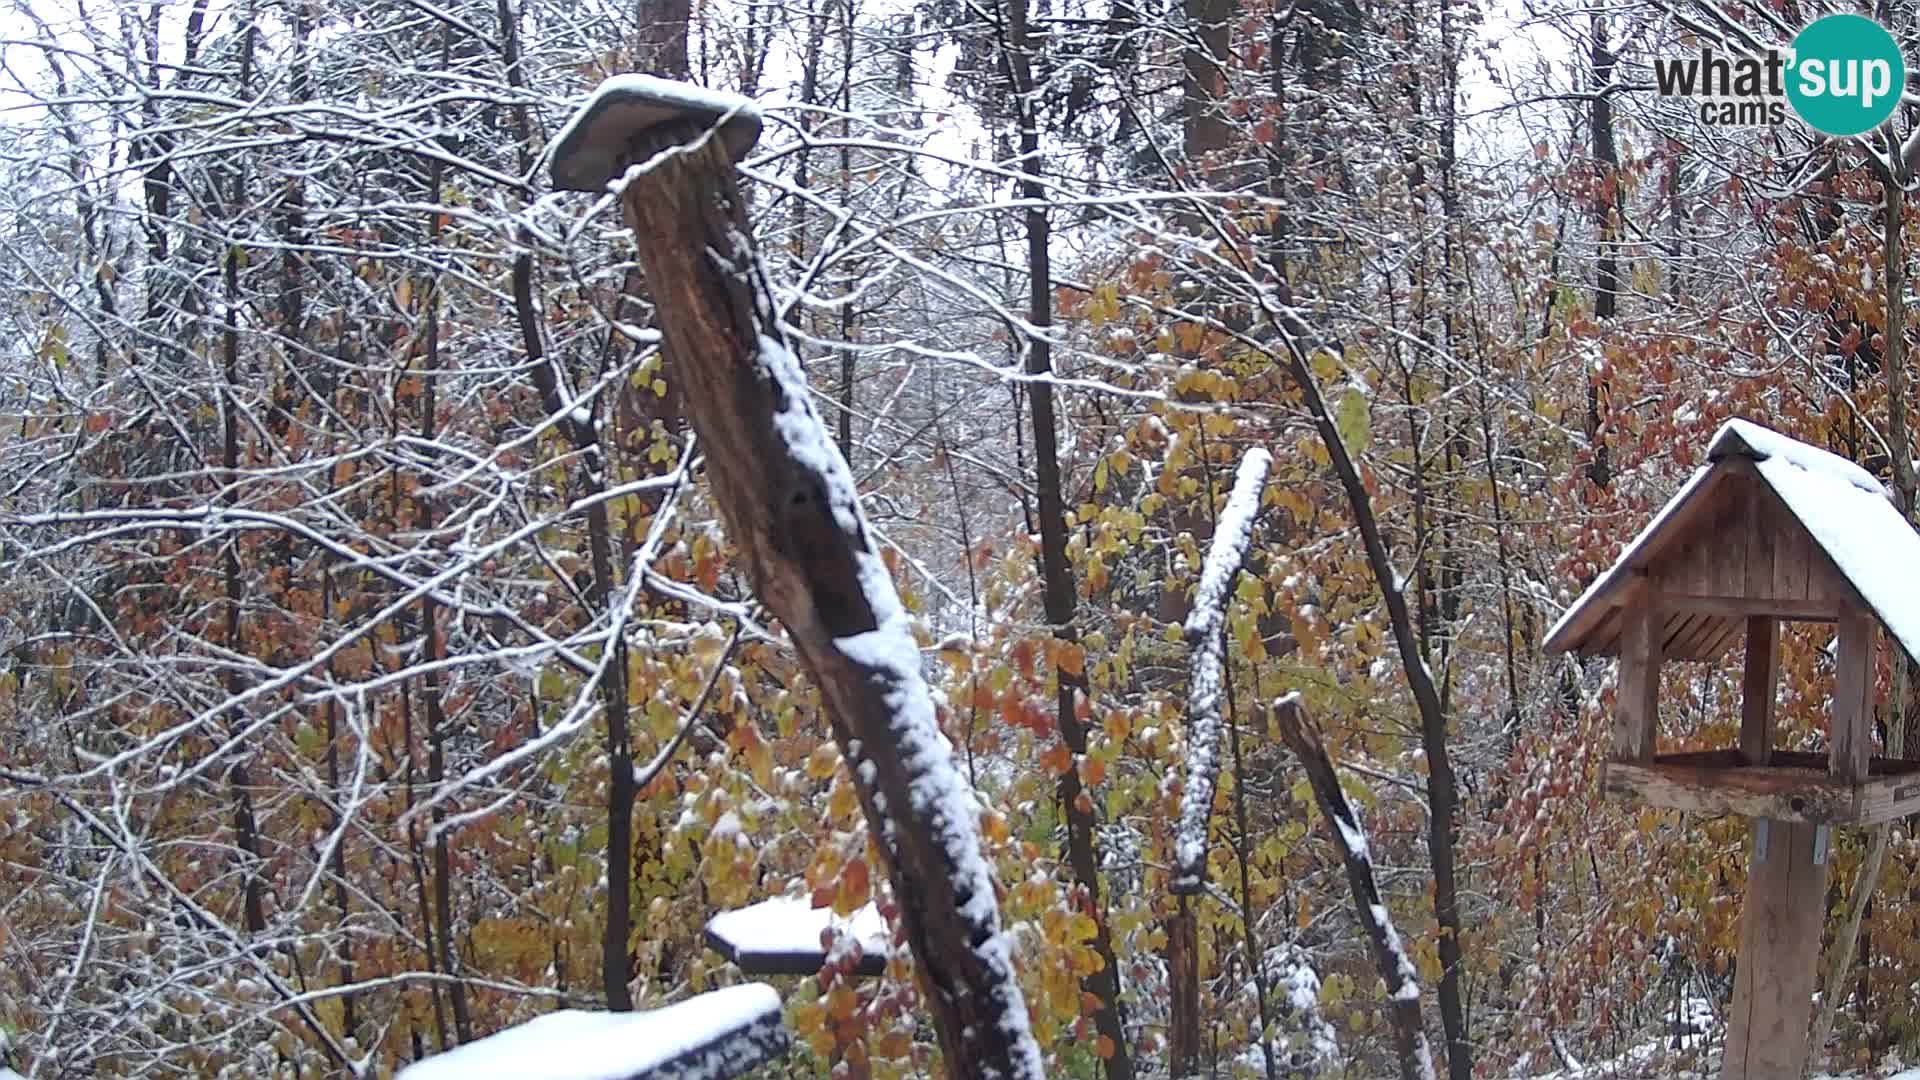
794	517
1779	950
1850	725
1757	689
1636	709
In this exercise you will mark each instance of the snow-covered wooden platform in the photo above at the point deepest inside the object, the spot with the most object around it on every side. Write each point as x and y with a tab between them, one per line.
786	935
714	1036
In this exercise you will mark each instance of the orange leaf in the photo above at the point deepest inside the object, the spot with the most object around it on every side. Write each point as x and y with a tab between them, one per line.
1057	760
1072	658
1023	656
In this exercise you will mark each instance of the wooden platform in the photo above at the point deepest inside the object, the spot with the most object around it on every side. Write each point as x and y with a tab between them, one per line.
1790	787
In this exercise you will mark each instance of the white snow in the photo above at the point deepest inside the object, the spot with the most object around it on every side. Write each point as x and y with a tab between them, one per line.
630	103
670	93
1849	514
736	1028
1764	444
1231	535
791	924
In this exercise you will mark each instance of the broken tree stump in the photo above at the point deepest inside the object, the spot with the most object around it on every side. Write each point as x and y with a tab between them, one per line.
790	507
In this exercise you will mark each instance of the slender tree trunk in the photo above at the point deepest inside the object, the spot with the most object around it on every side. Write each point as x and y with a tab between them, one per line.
1442	786
443	879
1056	573
1302	736
246	832
1606	277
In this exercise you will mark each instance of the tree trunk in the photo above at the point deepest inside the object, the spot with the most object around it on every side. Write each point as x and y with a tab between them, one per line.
791	511
1606	276
1056	574
1302	736
1442	787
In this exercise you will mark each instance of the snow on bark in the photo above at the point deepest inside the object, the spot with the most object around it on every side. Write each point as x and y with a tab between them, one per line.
792	510
713	1036
890	660
1231	536
1402	979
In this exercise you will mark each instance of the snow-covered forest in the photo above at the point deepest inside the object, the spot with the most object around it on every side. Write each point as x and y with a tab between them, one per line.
1236	392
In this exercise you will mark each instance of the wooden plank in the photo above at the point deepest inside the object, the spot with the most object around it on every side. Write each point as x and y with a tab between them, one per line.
1786	794
1604	640
1741	607
1673	632
1850	722
1782	760
1727	543
1761	539
1779	950
1637	706
1757	689
1729	631
1785	760
1789	552
1698	644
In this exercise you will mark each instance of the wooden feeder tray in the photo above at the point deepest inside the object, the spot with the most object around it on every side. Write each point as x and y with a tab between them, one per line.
1790	787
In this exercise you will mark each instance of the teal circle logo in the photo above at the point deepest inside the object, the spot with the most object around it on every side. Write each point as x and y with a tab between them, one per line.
1847	75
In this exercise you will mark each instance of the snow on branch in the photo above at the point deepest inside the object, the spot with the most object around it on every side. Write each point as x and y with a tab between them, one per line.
1396	968
1231	536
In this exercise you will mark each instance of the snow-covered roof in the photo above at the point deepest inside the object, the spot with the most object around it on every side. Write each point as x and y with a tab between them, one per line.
782	936
1856	547
712	1036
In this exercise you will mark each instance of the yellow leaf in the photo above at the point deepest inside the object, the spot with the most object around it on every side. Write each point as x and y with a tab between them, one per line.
823	761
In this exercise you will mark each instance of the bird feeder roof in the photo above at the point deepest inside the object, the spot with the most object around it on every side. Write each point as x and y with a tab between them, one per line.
1769	526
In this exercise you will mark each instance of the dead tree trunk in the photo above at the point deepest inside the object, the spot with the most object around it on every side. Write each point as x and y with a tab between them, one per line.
791	510
1343	825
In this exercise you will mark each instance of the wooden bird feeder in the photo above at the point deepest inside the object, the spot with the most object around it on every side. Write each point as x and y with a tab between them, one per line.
1770	530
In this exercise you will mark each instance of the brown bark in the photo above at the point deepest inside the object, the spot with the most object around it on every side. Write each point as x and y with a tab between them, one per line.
1204	59
783	492
1606	277
1183	979
246	833
1056	573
